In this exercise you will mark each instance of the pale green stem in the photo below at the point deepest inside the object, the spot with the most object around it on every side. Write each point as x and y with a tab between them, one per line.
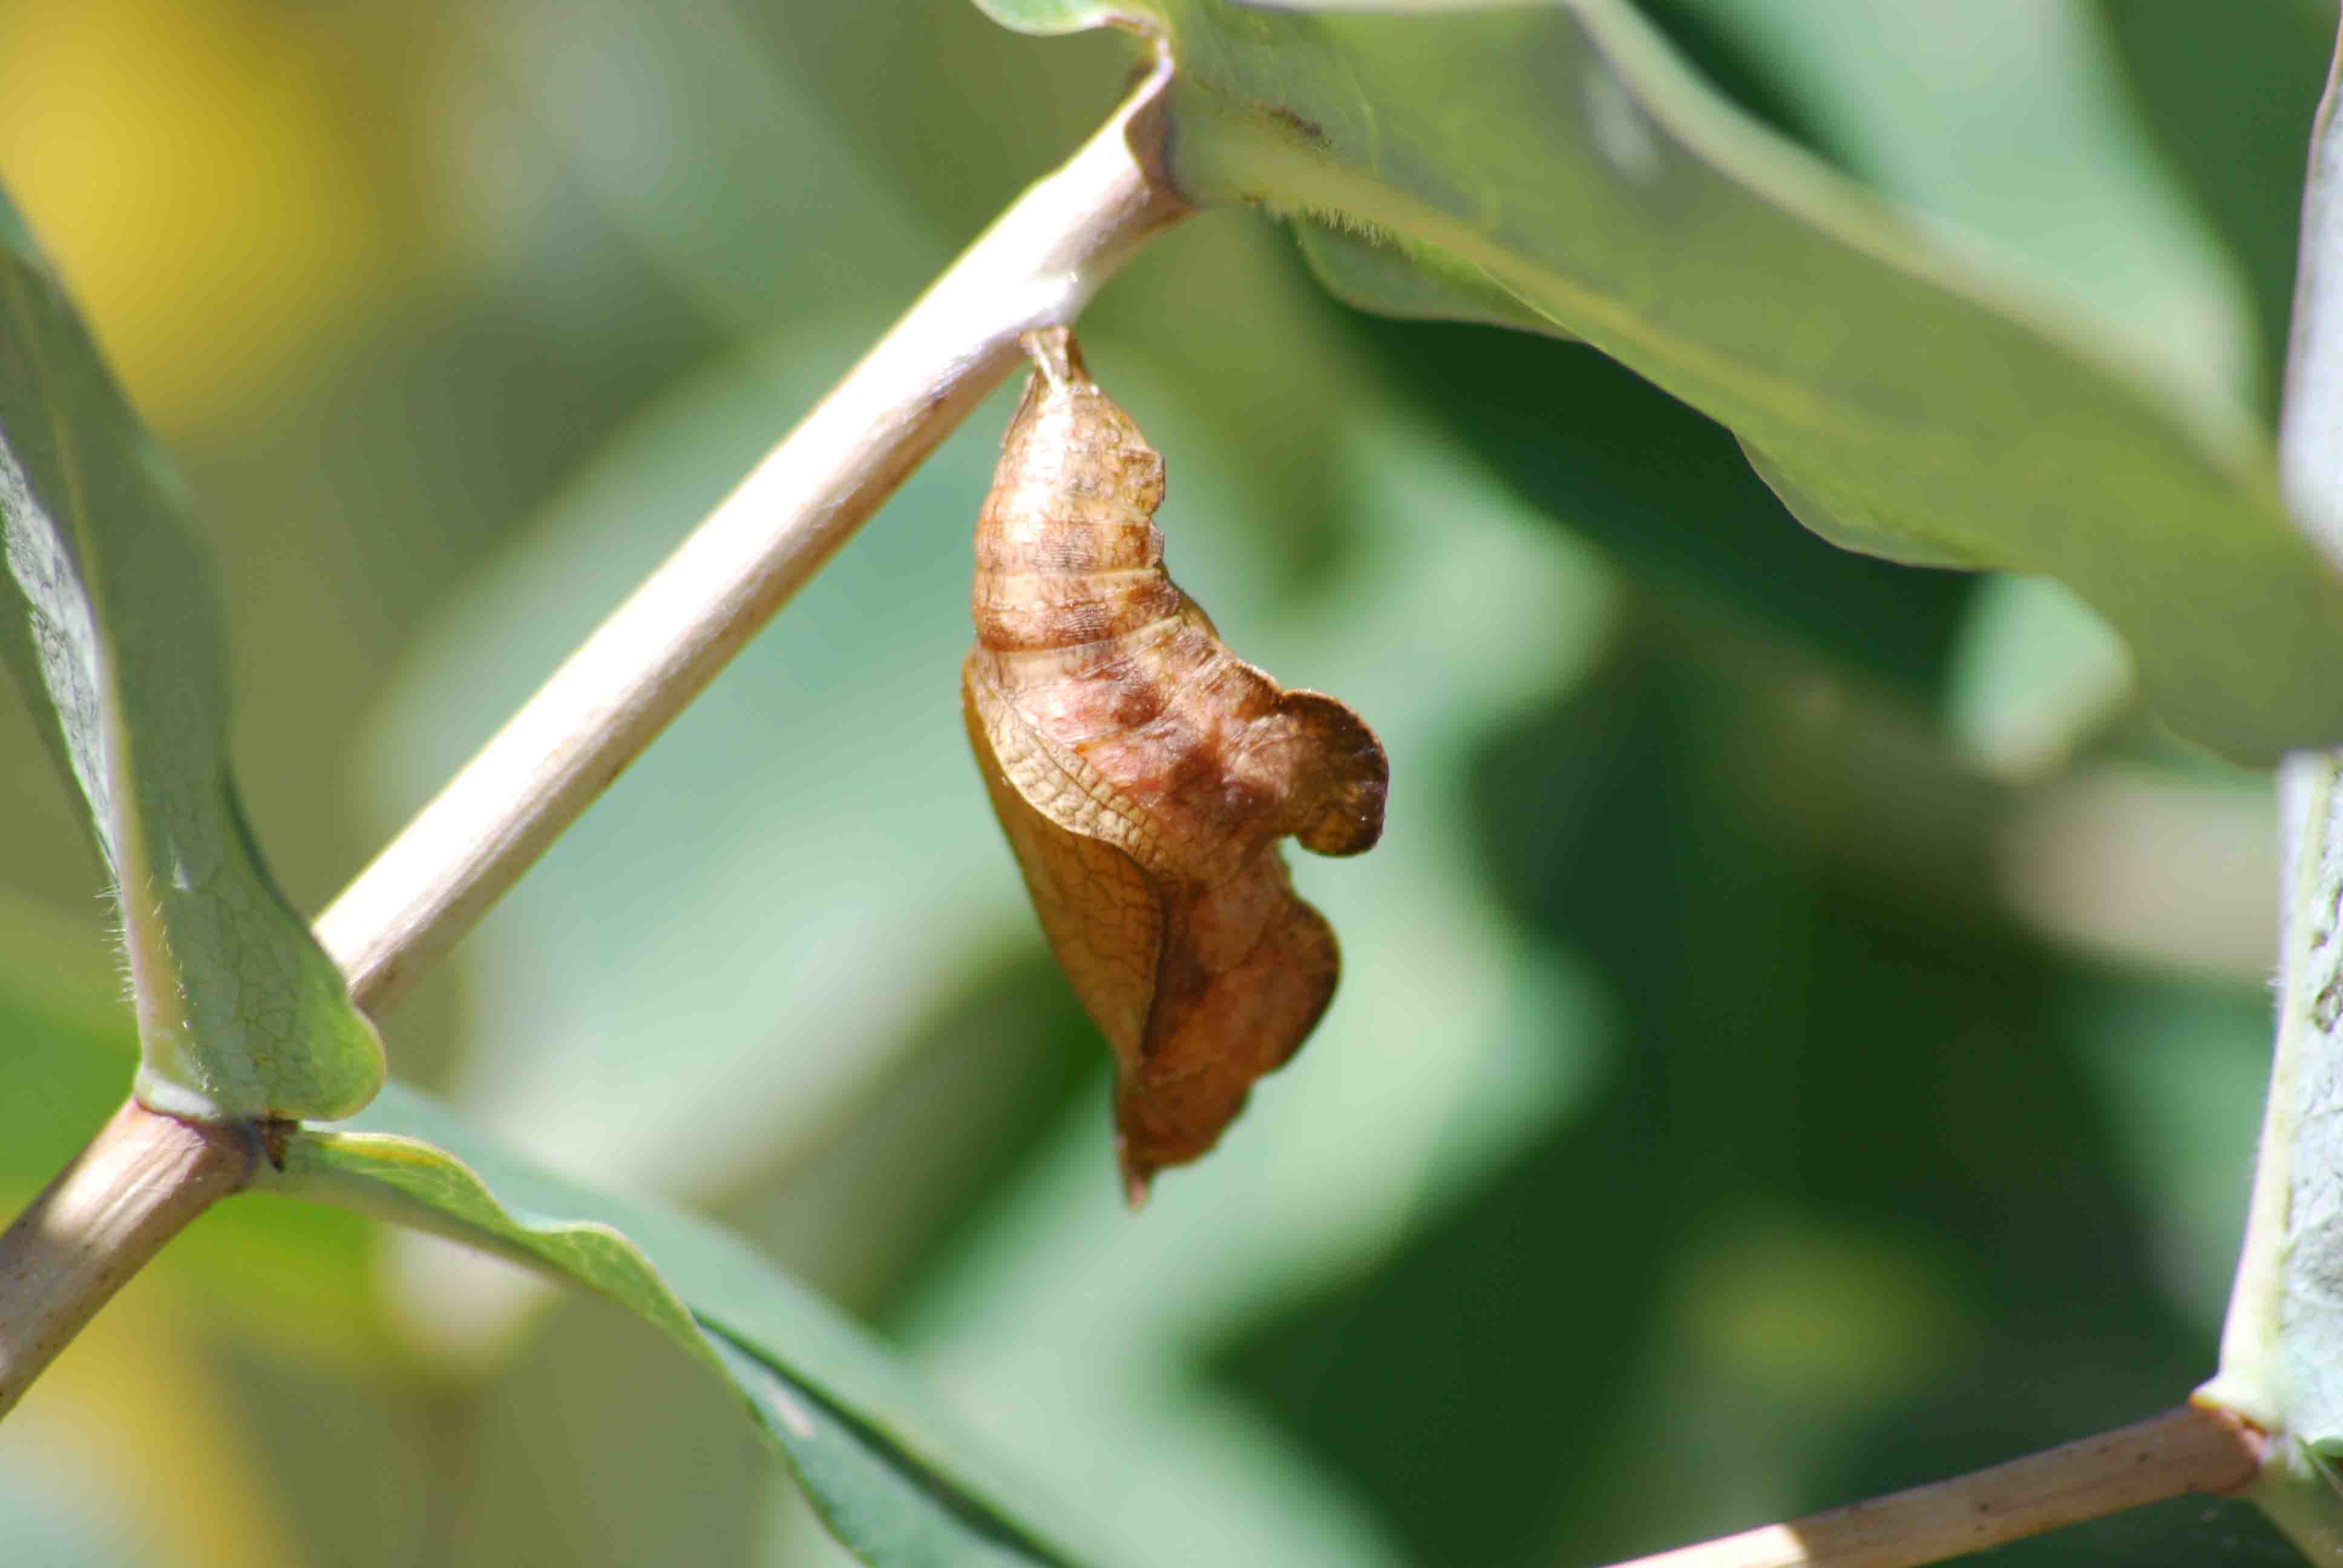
2281	1366
2251	1379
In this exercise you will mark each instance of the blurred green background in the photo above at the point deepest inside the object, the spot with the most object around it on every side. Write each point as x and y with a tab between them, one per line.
1803	1032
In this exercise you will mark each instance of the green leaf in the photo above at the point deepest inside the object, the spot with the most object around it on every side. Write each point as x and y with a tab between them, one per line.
1667	493
2008	120
884	1462
1919	397
2228	92
110	619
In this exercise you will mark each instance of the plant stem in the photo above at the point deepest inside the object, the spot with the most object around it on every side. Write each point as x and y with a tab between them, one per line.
136	1184
2191	1449
1037	265
2252	1380
2278	1366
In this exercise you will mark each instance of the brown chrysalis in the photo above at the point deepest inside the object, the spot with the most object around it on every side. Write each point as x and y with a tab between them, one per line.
1144	774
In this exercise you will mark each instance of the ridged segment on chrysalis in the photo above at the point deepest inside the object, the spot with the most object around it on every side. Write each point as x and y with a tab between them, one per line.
1144	774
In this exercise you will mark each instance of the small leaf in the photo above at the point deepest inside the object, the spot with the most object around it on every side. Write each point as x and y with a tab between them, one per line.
887	1466
1557	161
109	618
1144	775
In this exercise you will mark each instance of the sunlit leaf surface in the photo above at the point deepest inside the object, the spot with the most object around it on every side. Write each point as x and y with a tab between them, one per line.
109	618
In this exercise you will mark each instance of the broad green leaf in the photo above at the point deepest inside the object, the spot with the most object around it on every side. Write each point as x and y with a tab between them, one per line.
2007	119
887	1466
1910	396
2228	92
109	618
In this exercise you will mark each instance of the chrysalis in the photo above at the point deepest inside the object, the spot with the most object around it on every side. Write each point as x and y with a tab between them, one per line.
1144	774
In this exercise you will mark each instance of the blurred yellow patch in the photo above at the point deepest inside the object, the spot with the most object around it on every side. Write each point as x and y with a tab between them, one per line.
132	1426
210	176
1821	1316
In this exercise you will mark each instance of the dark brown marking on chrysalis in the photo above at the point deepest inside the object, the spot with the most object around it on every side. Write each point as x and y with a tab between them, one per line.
1144	774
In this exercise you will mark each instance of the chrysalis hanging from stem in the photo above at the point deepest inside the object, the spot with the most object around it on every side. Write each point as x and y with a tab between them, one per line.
1144	774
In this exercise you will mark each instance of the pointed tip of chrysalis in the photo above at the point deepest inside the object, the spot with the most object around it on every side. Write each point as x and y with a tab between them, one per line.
1136	1179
